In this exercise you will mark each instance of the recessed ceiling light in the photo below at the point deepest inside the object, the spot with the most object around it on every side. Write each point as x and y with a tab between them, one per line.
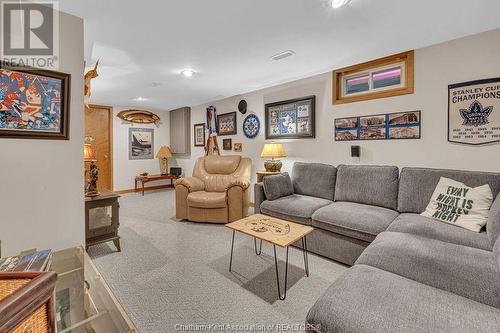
188	72
140	99
282	55
339	3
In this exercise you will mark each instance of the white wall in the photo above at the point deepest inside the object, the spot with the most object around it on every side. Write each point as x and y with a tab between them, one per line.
470	58
41	196
125	170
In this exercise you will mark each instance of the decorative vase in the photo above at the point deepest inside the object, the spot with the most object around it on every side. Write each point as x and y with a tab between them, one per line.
273	165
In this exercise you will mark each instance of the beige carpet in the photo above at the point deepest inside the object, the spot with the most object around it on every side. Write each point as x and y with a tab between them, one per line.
173	276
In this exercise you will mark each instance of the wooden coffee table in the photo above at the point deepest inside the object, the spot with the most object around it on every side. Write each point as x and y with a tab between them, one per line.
275	231
151	178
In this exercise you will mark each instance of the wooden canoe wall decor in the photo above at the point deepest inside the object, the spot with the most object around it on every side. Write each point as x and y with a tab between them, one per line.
139	116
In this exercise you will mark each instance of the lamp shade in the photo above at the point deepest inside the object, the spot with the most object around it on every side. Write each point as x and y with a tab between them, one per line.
88	152
273	150
164	152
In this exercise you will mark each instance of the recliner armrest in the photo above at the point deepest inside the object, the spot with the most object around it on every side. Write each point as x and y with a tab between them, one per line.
243	183
193	184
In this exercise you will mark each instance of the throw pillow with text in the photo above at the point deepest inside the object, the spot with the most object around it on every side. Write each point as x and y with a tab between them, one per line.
456	203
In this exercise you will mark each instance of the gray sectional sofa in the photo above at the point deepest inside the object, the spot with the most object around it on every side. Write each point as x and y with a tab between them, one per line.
410	273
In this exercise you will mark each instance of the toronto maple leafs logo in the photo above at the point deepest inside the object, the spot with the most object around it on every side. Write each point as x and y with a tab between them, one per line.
476	115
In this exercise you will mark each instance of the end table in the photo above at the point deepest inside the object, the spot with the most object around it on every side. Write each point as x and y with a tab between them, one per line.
102	219
264	173
151	178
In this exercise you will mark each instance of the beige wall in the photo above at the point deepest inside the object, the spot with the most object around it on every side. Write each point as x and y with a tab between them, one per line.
470	58
125	170
41	196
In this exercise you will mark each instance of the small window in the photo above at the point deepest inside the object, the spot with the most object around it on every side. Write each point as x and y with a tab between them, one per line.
387	78
390	76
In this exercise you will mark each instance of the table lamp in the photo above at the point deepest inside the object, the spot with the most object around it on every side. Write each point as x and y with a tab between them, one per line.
163	154
273	150
89	156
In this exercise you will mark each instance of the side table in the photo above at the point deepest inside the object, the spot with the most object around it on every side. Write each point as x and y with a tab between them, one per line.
264	173
151	178
102	219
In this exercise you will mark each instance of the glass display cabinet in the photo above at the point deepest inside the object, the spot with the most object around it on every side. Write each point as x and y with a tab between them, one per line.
84	302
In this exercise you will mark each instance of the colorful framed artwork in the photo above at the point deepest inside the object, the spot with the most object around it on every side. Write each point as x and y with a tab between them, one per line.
385	77
291	119
34	104
390	126
141	143
227	124
199	135
474	112
227	144
238	147
251	126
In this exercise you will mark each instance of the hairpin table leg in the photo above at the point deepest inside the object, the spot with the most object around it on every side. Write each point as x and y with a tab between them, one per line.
304	252
231	257
281	297
255	245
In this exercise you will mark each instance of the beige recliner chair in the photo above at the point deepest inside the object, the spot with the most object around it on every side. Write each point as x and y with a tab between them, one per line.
218	192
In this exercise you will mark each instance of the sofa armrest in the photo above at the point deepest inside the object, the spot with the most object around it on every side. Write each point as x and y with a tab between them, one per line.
259	196
243	183
193	184
493	222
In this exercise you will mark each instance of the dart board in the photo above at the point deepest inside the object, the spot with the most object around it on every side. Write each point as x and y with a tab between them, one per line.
251	126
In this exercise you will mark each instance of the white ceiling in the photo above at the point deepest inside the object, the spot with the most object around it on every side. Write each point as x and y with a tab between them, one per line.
229	42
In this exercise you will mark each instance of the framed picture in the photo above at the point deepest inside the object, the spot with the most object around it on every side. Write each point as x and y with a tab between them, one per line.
34	104
199	135
227	124
238	147
291	119
474	112
227	144
389	126
141	143
385	77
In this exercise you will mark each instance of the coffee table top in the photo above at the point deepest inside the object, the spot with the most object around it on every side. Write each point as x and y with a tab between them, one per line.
270	229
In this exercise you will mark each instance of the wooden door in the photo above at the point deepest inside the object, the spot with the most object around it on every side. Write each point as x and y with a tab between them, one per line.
99	125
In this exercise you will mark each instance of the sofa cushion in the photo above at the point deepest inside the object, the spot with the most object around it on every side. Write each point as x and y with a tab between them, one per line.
462	270
493	223
416	185
368	184
423	226
295	208
367	299
202	199
314	179
354	220
277	186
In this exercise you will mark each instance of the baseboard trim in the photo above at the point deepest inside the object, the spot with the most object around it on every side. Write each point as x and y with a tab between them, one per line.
149	188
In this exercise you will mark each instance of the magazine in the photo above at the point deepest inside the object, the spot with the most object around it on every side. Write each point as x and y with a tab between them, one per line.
31	262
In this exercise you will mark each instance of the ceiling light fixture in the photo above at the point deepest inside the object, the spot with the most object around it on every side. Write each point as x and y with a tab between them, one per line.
140	99
339	3
283	55
188	72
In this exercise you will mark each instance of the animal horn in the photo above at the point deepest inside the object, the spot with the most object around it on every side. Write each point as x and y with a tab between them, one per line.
96	64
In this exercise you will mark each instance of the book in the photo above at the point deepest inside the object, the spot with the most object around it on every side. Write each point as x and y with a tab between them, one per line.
30	262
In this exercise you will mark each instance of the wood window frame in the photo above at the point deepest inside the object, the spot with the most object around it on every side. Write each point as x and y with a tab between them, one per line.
407	87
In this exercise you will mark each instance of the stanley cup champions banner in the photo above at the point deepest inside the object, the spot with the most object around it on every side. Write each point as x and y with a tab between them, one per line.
474	112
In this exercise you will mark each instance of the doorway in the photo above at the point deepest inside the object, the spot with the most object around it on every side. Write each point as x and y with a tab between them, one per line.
99	126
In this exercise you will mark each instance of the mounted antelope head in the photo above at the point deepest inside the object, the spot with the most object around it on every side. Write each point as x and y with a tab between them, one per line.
91	74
